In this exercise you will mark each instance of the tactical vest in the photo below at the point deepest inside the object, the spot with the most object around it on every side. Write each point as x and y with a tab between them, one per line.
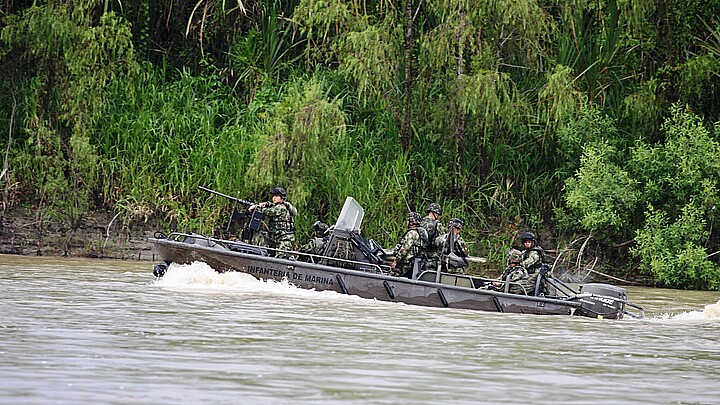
285	221
526	254
424	238
417	250
431	227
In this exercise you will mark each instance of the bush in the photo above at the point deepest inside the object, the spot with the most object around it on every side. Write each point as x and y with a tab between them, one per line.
673	253
602	195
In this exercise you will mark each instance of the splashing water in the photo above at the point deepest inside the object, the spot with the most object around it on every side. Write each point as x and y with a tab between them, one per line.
199	276
711	311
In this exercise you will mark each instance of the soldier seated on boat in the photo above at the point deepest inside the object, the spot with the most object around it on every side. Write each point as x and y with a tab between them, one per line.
410	247
524	268
533	259
515	275
453	251
533	256
280	215
316	245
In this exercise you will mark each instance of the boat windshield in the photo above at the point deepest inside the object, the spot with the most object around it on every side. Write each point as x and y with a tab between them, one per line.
351	216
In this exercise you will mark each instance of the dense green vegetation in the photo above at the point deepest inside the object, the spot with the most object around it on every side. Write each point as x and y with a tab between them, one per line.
564	117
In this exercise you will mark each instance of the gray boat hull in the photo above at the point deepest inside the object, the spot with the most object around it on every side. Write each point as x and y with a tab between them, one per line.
366	284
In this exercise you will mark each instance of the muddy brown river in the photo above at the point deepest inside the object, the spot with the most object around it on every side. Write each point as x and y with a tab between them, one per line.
76	331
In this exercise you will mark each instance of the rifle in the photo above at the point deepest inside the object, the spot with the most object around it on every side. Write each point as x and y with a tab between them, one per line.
254	219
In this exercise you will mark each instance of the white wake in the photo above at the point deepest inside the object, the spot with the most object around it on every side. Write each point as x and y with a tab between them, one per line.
711	311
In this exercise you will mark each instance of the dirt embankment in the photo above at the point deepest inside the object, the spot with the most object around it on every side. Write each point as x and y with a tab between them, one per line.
100	235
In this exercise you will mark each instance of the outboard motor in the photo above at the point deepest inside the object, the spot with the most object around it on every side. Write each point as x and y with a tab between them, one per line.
160	269
604	301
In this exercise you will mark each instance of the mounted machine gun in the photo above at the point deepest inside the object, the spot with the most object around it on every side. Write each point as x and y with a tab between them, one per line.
250	221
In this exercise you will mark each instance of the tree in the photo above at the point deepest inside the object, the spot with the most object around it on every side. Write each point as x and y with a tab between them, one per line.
65	54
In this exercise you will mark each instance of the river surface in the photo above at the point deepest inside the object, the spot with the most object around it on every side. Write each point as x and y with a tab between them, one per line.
78	331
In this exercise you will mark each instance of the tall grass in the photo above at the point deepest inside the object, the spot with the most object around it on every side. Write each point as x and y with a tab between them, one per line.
161	139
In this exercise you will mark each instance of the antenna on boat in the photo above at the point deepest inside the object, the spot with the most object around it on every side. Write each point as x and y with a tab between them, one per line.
402	192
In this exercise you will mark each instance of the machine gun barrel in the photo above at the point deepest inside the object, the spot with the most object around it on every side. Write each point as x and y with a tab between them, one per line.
238	200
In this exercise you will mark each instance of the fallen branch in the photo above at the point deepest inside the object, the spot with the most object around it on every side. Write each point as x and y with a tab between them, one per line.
107	233
623	244
611	277
590	269
580	253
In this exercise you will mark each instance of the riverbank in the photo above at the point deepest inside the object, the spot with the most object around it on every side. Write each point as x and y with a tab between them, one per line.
104	235
100	235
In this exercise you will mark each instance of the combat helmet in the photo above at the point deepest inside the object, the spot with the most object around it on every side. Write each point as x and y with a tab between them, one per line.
457	223
320	227
278	191
514	256
435	207
525	236
414	218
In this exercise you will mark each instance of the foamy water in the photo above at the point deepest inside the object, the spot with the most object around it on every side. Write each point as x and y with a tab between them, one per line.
711	311
198	276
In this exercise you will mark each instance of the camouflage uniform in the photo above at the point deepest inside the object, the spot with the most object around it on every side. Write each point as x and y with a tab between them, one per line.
532	259
411	245
521	283
434	229
316	245
281	223
534	256
459	247
523	268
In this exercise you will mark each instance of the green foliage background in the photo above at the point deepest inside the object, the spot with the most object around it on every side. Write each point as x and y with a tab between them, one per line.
563	117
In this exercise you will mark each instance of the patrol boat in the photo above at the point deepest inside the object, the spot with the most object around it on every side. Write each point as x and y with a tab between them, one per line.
353	265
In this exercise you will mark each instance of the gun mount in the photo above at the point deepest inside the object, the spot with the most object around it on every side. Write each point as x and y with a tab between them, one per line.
250	222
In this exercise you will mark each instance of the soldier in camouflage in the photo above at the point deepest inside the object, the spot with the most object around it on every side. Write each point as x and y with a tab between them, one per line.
533	258
411	246
515	274
533	255
280	216
523	267
434	228
459	248
316	245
